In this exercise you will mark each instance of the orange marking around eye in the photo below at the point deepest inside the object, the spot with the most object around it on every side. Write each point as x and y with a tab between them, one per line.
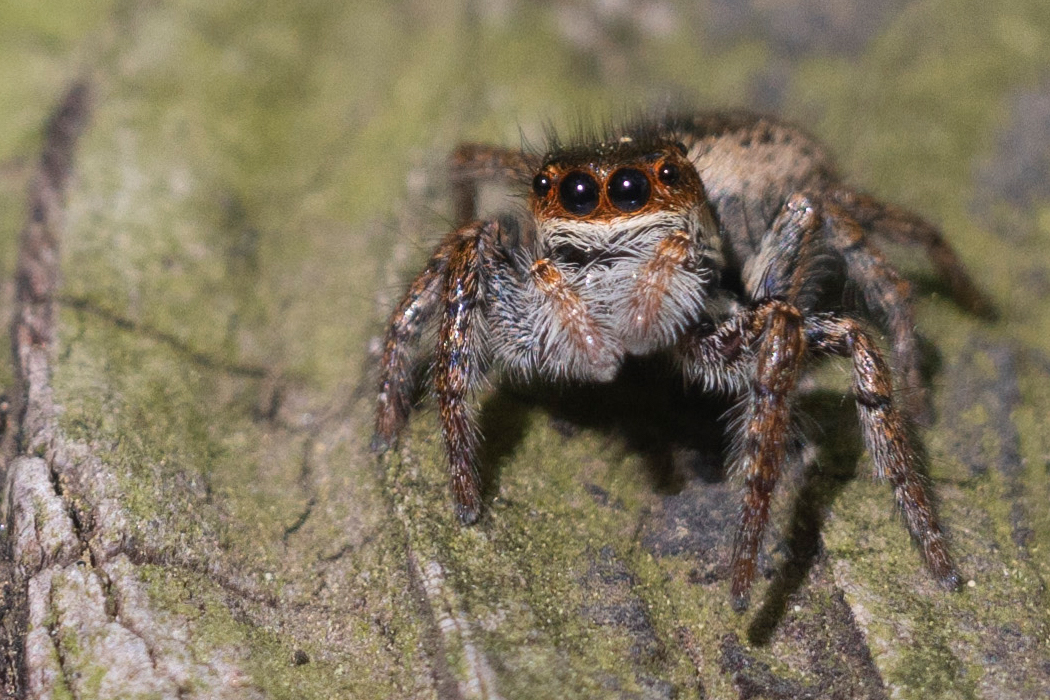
685	192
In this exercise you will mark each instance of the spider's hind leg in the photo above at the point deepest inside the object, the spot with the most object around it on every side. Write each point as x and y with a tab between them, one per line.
473	164
903	227
889	296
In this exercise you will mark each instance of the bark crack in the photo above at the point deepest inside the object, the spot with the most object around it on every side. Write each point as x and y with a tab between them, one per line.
88	627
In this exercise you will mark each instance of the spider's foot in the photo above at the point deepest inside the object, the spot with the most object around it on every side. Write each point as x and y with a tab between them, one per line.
740	589
943	568
977	303
468	514
380	443
952	581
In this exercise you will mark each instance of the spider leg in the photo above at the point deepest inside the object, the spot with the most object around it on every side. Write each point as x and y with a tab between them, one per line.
904	227
887	293
886	435
761	348
397	382
473	163
764	437
719	358
783	267
771	332
460	361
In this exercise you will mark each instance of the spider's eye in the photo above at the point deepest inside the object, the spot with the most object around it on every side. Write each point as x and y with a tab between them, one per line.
541	185
579	193
628	189
669	173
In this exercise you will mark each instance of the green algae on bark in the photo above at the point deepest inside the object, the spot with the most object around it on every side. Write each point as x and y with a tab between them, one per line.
255	185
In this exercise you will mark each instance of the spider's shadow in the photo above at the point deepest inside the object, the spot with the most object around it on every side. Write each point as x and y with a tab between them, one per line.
681	435
646	409
839	448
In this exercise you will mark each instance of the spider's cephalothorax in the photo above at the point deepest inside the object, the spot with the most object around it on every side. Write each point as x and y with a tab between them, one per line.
624	254
718	239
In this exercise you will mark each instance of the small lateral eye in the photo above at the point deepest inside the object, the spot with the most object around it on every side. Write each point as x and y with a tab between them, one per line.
541	184
669	173
628	189
578	192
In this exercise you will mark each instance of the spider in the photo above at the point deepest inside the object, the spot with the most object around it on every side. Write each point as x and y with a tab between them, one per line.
724	241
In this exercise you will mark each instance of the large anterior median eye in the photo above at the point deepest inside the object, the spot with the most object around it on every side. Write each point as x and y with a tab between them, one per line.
579	193
628	189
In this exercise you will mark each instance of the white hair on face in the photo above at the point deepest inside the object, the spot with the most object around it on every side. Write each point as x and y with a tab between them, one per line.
621	297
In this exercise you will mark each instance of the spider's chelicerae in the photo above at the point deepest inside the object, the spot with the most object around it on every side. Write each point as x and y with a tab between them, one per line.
721	240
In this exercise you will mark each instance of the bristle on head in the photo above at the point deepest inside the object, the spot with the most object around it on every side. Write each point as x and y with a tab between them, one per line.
623	140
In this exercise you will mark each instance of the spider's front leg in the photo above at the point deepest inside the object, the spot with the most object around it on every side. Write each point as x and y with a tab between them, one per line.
396	378
759	351
762	447
452	280
460	361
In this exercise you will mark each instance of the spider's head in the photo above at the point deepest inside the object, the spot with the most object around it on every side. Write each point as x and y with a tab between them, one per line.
609	181
606	199
615	183
623	229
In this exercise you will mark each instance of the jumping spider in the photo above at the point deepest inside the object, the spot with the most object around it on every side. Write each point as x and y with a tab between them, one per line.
722	240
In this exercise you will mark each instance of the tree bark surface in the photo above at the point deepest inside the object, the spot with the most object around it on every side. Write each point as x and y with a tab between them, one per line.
207	209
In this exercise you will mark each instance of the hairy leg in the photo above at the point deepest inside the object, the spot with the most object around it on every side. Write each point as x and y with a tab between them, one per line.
460	363
759	351
902	226
468	165
472	164
887	294
762	351
784	265
764	435
406	324
886	435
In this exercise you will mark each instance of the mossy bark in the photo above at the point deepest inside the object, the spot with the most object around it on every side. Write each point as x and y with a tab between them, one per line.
206	211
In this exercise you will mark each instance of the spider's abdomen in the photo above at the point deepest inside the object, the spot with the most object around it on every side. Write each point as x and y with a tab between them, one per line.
749	169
